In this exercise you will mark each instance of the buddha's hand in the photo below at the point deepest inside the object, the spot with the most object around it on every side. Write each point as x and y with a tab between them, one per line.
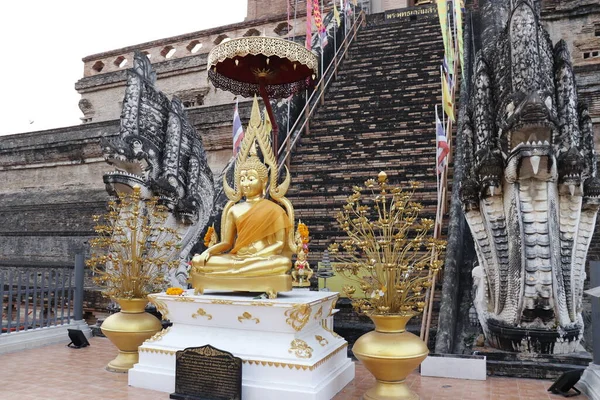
199	260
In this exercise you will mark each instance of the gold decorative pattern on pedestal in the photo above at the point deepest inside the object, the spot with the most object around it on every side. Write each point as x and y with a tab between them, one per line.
160	305
319	314
300	348
278	364
298	316
184	299
261	304
219	301
158	335
201	313
261	362
157	351
247	316
322	341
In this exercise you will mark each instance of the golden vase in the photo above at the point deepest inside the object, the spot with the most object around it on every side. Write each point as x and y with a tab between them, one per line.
127	330
390	353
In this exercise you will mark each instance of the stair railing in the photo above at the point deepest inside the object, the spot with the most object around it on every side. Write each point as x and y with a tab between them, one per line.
318	95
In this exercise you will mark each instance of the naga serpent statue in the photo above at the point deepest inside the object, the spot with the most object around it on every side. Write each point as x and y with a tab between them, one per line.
160	151
530	192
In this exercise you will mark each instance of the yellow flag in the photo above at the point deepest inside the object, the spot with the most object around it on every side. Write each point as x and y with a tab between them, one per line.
447	99
442	7
336	14
458	10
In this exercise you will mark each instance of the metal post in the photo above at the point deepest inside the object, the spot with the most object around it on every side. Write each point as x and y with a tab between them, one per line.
335	49
2	274
18	300
306	113
9	313
78	297
595	282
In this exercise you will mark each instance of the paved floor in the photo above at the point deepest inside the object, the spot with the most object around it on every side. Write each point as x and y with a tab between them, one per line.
57	372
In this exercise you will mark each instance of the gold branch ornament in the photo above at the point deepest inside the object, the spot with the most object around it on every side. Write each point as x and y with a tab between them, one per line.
388	249
133	250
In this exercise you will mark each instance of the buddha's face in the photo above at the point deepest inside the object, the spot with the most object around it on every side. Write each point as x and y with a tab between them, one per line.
251	183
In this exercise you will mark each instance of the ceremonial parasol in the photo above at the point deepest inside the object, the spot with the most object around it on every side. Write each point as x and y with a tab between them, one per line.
265	66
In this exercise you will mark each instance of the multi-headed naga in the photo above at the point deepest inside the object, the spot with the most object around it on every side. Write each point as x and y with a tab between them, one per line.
530	193
160	151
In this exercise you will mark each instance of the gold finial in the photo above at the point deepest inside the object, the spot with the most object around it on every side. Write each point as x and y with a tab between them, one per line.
255	119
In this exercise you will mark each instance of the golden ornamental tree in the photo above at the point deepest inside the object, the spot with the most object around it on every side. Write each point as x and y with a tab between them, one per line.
134	249
389	252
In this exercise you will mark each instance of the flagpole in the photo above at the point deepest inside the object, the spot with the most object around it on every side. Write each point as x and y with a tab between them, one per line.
322	47
296	19
425	318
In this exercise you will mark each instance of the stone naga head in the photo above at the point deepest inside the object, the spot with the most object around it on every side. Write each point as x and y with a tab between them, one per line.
159	150
530	191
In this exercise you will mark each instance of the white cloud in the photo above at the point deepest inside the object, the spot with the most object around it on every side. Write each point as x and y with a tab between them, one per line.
42	43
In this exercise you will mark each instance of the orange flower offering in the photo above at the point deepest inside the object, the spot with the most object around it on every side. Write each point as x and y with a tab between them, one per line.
174	291
303	231
209	234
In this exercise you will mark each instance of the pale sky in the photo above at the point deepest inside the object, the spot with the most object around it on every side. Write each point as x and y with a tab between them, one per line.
42	43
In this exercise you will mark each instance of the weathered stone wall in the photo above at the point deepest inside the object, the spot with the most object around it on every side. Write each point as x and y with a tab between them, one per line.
52	184
258	9
180	64
378	6
577	22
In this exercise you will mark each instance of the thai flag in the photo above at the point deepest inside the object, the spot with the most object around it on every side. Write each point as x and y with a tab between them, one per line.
441	143
238	130
323	38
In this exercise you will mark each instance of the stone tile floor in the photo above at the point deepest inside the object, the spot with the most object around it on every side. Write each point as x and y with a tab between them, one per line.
57	372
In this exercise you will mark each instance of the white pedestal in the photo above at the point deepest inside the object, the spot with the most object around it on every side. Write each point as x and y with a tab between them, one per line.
288	350
589	383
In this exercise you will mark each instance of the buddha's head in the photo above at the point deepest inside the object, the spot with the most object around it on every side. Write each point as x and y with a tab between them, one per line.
253	177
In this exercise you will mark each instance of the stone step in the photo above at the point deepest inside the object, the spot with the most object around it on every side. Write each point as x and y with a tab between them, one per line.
536	366
399	109
378	115
368	47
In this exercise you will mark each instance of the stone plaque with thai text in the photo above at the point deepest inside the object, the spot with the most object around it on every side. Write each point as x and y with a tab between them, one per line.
207	373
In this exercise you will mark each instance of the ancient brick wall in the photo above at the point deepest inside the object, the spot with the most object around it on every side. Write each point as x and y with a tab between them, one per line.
577	22
52	184
180	64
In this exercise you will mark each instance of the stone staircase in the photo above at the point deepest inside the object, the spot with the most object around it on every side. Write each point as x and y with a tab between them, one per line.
378	115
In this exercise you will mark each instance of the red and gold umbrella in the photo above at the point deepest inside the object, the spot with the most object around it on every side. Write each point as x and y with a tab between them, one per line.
265	66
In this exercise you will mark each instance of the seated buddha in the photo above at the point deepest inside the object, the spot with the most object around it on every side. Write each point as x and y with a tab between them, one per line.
257	241
253	232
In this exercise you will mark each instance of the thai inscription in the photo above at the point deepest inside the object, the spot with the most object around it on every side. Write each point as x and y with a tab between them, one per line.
207	373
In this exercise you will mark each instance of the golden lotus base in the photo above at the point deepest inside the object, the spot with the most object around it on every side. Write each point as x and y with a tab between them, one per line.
124	361
390	391
268	284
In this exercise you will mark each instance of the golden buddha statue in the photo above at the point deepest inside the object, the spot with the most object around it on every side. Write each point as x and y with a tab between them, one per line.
254	253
